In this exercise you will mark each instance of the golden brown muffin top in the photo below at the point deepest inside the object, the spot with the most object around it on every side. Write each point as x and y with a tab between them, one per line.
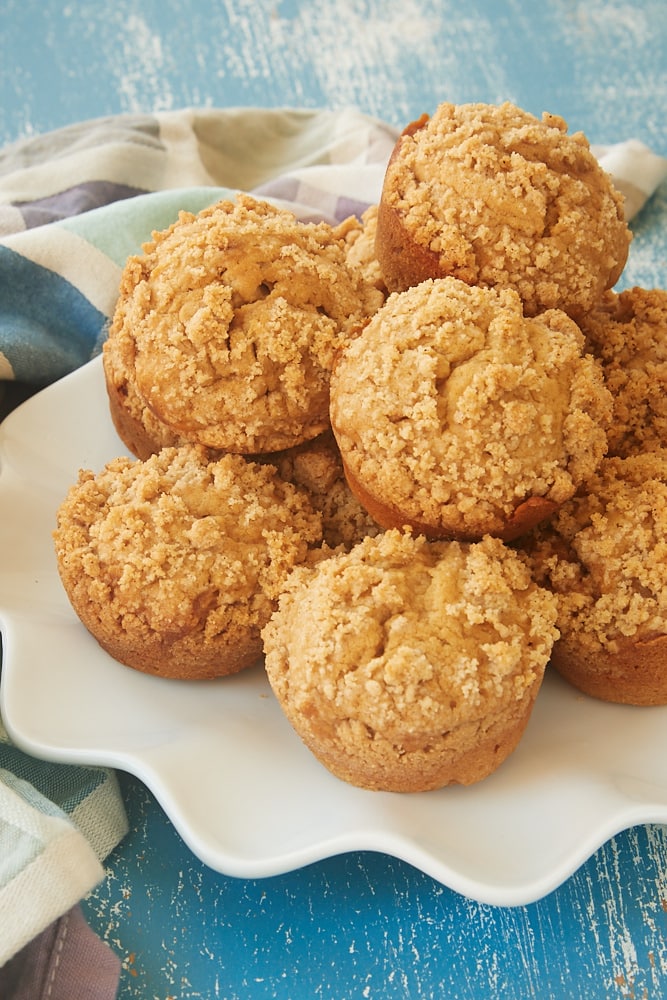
628	333
509	200
410	637
234	316
454	407
180	543
605	553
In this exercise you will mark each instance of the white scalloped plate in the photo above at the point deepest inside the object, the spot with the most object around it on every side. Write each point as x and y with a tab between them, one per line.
236	781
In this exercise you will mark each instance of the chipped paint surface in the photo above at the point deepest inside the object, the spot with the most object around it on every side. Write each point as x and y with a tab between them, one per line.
363	925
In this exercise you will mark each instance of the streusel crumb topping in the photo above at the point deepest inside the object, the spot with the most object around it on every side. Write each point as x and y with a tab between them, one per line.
605	553
451	405
410	637
180	542
628	333
508	200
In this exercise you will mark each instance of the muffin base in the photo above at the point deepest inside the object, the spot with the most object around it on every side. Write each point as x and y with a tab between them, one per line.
129	429
180	657
464	756
403	261
634	674
526	515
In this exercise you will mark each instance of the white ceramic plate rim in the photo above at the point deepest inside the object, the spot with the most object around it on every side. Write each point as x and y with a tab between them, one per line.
244	793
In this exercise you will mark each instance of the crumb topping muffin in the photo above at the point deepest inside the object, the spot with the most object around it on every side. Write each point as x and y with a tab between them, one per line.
174	564
360	247
231	319
494	196
628	333
317	468
456	414
137	426
406	665
605	556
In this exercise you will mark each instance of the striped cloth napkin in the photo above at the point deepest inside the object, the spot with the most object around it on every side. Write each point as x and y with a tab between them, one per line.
74	204
57	824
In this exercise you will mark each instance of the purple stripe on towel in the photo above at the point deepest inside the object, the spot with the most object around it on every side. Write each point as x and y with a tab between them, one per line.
73	201
328	206
285	188
349	206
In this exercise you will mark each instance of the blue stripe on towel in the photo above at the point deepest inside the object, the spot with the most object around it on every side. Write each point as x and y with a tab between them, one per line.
64	787
47	327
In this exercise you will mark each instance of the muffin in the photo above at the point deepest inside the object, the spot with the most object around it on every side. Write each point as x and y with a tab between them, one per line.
496	197
460	417
407	665
140	430
605	557
175	563
360	252
226	327
628	333
317	468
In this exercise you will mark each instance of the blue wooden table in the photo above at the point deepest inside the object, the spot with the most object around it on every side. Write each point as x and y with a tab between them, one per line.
361	925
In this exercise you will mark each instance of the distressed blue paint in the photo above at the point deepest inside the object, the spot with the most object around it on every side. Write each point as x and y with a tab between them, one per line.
602	64
362	925
365	925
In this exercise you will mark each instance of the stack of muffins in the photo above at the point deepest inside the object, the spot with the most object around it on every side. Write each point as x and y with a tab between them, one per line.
411	458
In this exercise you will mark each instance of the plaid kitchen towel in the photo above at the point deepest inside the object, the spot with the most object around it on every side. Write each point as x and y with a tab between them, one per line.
57	824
